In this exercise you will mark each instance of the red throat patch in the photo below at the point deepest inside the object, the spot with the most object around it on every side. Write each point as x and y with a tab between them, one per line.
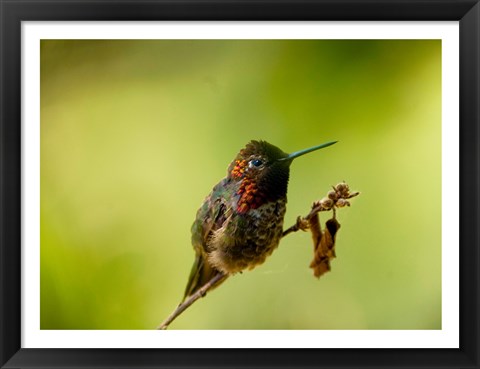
239	168
250	196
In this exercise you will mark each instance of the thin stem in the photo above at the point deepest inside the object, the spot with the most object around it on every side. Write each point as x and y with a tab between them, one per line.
303	223
191	299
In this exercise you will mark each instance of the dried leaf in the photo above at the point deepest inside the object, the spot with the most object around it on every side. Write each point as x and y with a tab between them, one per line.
324	244
324	241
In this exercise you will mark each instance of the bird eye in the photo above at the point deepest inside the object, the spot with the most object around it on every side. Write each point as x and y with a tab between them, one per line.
256	162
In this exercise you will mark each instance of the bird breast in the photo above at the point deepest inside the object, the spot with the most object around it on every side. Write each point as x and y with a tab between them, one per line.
246	239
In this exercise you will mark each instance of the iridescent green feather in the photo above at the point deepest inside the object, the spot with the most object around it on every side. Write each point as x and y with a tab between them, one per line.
210	217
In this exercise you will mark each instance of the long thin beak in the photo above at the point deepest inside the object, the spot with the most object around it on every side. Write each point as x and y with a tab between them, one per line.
296	154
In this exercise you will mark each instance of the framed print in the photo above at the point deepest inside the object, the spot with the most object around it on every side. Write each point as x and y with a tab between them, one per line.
124	123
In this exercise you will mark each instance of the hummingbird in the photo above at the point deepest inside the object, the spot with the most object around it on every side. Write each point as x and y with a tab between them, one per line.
240	222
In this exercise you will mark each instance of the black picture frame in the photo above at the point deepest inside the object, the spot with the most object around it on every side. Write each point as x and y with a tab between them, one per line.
467	12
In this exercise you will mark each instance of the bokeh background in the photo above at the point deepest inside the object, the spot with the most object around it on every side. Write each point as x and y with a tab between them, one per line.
134	134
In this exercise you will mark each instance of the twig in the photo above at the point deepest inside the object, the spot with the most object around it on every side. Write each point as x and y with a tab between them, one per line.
303	223
336	198
191	299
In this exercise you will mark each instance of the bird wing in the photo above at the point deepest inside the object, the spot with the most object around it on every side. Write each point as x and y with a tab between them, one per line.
210	217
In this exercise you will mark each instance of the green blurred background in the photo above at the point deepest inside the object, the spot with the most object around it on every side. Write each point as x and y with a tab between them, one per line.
134	134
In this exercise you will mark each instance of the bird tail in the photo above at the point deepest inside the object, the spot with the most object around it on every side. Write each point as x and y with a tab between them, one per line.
200	274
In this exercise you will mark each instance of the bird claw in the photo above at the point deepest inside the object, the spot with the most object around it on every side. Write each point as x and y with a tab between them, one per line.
302	224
